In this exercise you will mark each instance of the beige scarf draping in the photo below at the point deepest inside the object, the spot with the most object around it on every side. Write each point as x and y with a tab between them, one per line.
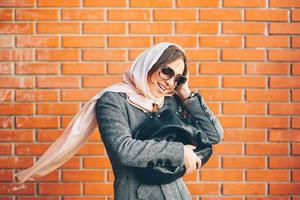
82	125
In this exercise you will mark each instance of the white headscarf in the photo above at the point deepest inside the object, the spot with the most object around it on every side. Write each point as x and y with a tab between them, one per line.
82	125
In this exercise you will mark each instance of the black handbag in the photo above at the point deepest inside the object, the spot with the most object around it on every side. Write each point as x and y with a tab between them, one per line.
170	126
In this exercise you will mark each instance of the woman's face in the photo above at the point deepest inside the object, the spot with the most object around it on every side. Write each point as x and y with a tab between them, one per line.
160	87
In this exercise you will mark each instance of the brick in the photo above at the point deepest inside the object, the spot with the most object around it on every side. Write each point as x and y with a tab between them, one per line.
220	15
243	55
6	189
244	108
284	162
267	68
267	175
16	109
231	122
104	55
5	122
201	189
100	162
282	28
245	27
221	95
287	3
16	28
224	175
59	3
150	28
58	27
87	175
199	27
58	82
296	95
284	55
289	82
284	136
6	176
37	122
31	149
100	81
228	149
93	149
18	3
244	188
57	55
6	68
117	68
82	41
284	108
244	162
16	82
175	15
266	15
84	198
6	41
128	15
267	41
267	122
65	120
244	3
203	55
267	95
187	41
295	42
221	68
116	41
6	95
295	15
37	41
195	82
83	68
197	3
57	109
244	136
151	3
242	82
99	188
16	55
78	95
36	95
37	68
284	188
16	136
6	15
115	3
296	122
217	41
295	175
44	135
295	69
267	149
6	149
104	28
61	188
295	149
36	14
82	14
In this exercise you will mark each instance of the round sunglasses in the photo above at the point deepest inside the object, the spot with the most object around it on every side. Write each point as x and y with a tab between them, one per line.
167	73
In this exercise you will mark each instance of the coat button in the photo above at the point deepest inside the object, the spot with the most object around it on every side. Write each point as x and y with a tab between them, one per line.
159	162
150	164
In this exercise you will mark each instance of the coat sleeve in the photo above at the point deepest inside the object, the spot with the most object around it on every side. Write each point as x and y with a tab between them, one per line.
121	147
205	118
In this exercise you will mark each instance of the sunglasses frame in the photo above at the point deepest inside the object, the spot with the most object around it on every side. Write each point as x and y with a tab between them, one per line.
177	81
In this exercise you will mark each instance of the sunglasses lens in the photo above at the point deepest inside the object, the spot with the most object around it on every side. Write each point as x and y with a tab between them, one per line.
167	72
180	80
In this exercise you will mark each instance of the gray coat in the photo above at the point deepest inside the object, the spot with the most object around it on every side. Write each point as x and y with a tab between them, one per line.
117	119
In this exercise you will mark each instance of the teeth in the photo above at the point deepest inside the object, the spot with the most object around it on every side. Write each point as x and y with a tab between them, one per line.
161	86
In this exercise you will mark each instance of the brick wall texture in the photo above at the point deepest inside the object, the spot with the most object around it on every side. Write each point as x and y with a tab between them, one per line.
244	58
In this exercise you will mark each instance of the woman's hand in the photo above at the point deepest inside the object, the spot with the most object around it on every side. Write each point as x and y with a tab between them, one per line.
191	160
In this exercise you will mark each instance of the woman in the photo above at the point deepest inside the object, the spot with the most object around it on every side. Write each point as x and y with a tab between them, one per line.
155	77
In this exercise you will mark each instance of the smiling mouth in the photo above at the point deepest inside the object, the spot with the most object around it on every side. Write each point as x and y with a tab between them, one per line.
162	88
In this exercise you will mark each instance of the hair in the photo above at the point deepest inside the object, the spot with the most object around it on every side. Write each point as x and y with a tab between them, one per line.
169	55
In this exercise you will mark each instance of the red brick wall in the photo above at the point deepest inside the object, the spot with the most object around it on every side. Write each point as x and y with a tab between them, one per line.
244	58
